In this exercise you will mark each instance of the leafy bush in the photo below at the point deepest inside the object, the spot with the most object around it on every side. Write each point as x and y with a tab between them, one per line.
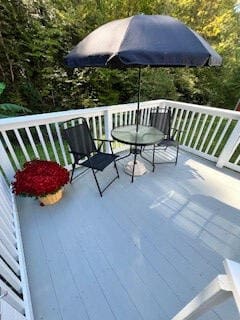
10	109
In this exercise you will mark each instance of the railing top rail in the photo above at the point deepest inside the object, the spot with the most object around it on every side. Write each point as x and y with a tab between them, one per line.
232	114
44	118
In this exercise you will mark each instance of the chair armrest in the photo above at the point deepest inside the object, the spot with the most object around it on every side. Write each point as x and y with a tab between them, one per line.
175	130
80	155
102	141
74	152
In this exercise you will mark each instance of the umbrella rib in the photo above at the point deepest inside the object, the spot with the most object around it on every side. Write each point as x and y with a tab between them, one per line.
120	43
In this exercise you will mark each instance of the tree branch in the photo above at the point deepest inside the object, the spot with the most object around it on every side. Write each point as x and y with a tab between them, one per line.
7	56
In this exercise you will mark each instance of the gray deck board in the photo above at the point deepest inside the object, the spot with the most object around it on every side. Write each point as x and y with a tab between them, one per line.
141	252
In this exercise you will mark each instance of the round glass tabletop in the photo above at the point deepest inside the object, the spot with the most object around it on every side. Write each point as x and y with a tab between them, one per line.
145	135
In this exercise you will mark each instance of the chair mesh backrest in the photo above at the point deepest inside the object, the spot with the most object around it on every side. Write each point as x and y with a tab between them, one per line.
79	138
160	119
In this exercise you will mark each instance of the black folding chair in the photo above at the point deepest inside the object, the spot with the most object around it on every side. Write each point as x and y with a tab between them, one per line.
160	118
82	146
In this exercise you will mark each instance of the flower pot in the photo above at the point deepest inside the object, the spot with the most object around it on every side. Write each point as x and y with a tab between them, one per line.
51	198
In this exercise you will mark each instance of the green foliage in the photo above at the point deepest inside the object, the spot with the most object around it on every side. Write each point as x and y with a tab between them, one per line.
36	35
158	84
10	109
2	87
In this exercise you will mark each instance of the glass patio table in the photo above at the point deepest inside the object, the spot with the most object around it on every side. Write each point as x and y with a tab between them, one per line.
145	136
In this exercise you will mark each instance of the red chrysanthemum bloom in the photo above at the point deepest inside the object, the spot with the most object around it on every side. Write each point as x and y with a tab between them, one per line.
39	178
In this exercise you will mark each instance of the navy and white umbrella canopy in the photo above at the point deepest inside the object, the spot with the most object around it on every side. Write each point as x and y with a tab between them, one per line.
143	40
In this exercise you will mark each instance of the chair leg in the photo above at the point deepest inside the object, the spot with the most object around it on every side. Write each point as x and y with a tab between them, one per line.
177	155
95	177
73	168
98	186
153	159
115	165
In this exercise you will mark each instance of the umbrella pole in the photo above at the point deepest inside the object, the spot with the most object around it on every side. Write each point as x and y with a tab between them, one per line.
138	102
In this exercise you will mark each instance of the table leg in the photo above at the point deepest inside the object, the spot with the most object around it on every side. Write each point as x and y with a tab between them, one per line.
120	158
153	158
134	163
153	164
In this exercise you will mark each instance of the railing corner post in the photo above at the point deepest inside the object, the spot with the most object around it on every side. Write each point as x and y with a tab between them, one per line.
229	147
108	125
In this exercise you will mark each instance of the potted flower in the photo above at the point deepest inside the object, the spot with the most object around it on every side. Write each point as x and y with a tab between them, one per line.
41	179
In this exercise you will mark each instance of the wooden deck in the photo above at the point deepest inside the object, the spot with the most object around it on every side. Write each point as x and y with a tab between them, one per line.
141	252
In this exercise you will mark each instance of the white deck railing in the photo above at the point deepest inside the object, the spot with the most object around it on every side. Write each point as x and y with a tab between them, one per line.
208	132
220	289
15	300
211	133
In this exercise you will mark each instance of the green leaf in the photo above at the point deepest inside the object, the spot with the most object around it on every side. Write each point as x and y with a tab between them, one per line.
13	108
4	116
2	87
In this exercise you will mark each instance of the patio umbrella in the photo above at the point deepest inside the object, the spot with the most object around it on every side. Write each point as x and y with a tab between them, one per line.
141	41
